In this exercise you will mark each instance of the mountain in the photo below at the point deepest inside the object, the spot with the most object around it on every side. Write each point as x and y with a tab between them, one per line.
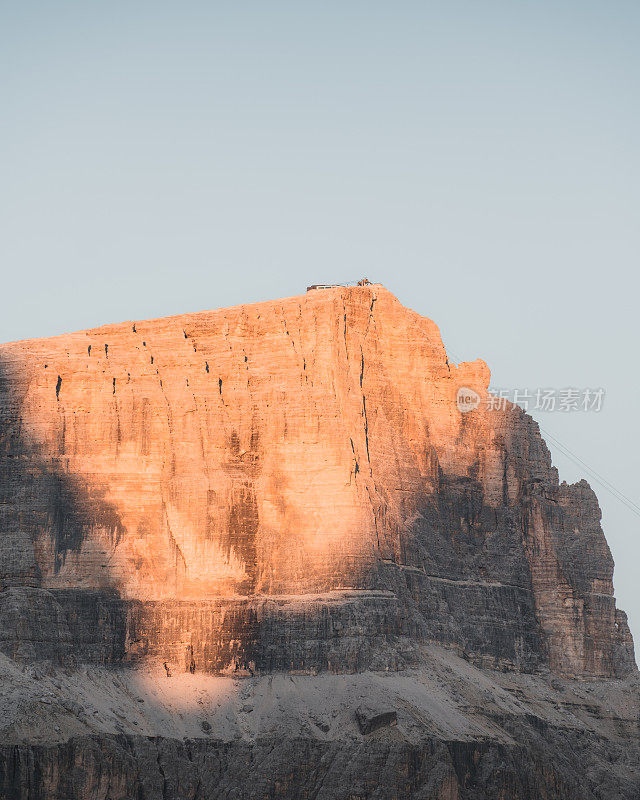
261	552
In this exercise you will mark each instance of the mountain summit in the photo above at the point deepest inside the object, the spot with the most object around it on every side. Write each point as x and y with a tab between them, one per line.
291	493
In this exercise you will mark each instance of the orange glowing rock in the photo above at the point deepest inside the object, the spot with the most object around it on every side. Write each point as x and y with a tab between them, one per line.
296	448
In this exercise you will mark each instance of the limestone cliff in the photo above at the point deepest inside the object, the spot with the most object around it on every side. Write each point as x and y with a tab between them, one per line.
301	447
289	486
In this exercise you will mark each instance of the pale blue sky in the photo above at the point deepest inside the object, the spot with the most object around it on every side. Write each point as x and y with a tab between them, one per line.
480	159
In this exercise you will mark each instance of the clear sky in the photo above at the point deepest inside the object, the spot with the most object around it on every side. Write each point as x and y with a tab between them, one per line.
479	158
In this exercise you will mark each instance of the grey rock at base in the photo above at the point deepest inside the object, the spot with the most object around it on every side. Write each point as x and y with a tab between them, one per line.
371	717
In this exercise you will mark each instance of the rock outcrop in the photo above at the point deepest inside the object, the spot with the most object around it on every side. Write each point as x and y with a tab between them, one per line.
287	487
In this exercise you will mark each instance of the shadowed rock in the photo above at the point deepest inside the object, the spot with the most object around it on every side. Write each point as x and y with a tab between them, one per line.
373	717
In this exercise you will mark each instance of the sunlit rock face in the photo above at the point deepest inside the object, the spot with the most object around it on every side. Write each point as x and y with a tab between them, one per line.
288	485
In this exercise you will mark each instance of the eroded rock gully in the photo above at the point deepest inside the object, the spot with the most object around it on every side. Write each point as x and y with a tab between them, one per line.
288	488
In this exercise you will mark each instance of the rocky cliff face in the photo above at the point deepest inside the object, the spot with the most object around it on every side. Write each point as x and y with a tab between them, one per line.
288	486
